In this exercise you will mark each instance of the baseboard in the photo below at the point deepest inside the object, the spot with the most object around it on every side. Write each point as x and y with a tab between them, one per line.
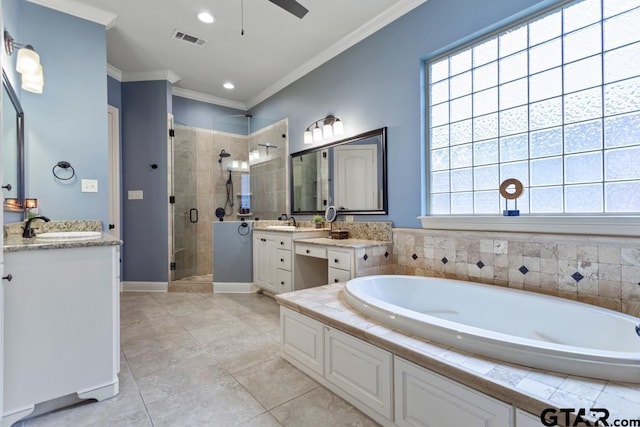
144	286
234	288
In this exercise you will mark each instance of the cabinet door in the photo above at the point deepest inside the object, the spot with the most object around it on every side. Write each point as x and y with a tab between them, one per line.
427	399
360	369
525	419
302	340
270	265
259	260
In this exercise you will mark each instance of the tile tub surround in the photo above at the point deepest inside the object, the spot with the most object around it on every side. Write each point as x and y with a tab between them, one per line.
603	271
529	389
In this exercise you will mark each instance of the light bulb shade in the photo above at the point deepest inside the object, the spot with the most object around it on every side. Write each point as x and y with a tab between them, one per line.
308	137
28	60
327	131
337	128
33	82
31	203
317	134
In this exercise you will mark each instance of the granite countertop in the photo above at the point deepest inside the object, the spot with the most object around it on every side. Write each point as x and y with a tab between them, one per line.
529	389
297	230
344	243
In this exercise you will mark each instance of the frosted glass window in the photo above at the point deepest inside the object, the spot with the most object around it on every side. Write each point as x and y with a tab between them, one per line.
546	171
622	130
545	28
545	143
545	56
622	29
553	101
513	94
622	63
545	85
485	152
485	76
583	168
486	178
514	148
583	198
485	127
440	182
623	163
585	136
583	74
514	67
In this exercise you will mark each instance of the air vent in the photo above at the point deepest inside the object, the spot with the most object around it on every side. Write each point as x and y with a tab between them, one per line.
188	38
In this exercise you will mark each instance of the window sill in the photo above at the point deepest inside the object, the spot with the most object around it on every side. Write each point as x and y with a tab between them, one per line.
627	226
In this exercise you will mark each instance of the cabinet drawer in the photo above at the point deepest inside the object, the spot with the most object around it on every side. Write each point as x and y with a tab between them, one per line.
311	250
360	369
426	398
283	281
302	339
283	259
283	242
341	260
336	275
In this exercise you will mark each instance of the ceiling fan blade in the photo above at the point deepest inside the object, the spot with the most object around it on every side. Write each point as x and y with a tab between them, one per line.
291	6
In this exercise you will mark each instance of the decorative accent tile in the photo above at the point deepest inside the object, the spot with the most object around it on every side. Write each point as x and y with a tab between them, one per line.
523	270
365	257
414	256
577	276
480	265
444	260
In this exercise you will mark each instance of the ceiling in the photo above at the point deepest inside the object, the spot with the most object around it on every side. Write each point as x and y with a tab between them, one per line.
276	49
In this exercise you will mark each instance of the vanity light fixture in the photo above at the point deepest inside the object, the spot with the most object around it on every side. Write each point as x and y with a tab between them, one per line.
331	126
27	64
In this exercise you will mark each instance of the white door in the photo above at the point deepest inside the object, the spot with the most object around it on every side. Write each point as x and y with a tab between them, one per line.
113	115
356	177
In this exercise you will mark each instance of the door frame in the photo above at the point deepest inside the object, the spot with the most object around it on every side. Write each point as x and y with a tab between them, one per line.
115	214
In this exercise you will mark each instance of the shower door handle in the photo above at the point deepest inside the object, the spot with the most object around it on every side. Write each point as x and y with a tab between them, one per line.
193	215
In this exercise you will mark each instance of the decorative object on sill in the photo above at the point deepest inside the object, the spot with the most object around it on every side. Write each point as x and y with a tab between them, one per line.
28	64
64	166
31	205
331	126
511	189
339	234
317	220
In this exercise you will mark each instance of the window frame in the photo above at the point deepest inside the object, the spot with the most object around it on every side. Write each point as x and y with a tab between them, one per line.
610	224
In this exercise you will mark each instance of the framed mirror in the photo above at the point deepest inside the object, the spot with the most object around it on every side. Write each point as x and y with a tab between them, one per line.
350	174
12	148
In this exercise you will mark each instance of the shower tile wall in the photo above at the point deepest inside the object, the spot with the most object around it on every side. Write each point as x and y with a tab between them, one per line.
209	186
269	172
603	271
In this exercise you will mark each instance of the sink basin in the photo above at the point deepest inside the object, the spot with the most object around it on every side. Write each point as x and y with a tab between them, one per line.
69	235
281	227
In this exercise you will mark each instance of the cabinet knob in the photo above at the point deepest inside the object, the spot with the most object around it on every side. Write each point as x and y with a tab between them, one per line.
335	280
308	251
282	243
281	259
336	260
282	283
7	187
263	240
8	277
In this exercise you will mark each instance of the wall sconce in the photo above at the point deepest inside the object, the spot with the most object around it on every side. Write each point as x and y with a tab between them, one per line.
331	126
27	64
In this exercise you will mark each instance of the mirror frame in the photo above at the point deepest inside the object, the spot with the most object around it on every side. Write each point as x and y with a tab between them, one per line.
382	133
20	141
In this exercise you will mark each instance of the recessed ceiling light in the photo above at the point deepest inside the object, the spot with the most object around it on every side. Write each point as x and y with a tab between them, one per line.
228	85
206	17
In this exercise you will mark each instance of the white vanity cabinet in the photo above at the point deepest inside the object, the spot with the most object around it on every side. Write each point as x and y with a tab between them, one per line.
341	265
61	327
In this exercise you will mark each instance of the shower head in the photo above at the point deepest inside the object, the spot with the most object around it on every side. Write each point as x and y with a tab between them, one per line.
222	154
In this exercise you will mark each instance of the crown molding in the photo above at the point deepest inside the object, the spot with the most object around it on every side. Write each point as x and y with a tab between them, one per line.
114	72
142	76
210	99
399	9
81	10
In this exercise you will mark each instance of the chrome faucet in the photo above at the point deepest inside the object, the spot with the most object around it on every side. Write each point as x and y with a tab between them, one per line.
28	231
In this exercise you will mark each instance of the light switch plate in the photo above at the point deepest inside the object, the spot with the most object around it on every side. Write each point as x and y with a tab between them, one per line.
89	185
135	194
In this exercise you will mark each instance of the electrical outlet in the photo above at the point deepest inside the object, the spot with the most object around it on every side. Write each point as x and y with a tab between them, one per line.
89	185
135	195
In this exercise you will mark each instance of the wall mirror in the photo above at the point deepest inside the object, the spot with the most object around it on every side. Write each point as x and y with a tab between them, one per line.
350	174
12	148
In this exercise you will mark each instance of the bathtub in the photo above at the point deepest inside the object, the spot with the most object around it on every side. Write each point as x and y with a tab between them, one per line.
511	325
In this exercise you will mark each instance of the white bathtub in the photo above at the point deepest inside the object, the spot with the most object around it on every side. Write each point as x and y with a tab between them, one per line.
506	324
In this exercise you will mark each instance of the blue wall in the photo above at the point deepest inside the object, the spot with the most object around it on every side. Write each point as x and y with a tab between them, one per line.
114	92
203	115
10	13
68	121
145	106
378	83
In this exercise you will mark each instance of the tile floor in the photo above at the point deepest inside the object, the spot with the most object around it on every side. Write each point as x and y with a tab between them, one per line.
206	360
